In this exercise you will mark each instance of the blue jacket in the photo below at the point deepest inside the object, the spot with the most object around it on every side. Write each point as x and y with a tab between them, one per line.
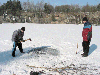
87	25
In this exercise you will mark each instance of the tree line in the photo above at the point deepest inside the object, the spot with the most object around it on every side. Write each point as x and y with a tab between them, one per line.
11	7
15	7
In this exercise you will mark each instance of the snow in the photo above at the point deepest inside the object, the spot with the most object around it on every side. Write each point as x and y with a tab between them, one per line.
58	43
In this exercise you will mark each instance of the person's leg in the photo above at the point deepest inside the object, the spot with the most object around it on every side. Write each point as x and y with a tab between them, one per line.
83	44
14	49
20	47
86	48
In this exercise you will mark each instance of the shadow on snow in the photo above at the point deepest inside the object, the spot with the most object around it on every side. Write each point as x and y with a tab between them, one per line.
93	47
6	56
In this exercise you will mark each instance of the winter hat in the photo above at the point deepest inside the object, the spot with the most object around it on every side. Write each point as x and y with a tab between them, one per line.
23	28
85	19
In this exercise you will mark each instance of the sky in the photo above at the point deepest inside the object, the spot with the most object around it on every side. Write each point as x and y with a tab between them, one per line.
62	2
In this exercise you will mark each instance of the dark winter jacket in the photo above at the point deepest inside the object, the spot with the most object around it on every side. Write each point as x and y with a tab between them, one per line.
17	35
87	32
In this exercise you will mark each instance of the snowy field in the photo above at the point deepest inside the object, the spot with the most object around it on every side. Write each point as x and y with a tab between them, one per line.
54	50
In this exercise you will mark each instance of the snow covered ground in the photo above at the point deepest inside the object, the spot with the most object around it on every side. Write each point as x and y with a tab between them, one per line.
57	44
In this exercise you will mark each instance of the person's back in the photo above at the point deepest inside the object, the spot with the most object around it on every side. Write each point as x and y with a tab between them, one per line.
14	35
17	35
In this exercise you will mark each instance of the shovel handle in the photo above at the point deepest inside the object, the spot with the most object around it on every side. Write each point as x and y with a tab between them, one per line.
26	40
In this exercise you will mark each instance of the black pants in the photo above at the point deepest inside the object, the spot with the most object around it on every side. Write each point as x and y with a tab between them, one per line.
85	45
14	48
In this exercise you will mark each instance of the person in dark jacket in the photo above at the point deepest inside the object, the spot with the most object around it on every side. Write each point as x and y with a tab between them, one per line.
17	37
87	35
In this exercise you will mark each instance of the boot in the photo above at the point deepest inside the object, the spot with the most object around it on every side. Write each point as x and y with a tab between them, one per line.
82	54
22	51
13	53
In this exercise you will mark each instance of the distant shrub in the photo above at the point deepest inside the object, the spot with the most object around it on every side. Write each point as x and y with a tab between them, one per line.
53	18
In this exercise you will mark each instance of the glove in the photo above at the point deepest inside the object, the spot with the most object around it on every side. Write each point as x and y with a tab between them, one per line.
23	40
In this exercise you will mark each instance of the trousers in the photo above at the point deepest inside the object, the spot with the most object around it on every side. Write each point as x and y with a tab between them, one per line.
85	45
14	47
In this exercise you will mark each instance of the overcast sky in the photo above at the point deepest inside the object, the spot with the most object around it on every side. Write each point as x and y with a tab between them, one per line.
62	2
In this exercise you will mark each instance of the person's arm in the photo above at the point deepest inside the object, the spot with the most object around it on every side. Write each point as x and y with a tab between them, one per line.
89	34
22	39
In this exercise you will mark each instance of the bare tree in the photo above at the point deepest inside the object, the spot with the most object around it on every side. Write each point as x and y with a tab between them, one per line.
24	5
27	5
40	6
